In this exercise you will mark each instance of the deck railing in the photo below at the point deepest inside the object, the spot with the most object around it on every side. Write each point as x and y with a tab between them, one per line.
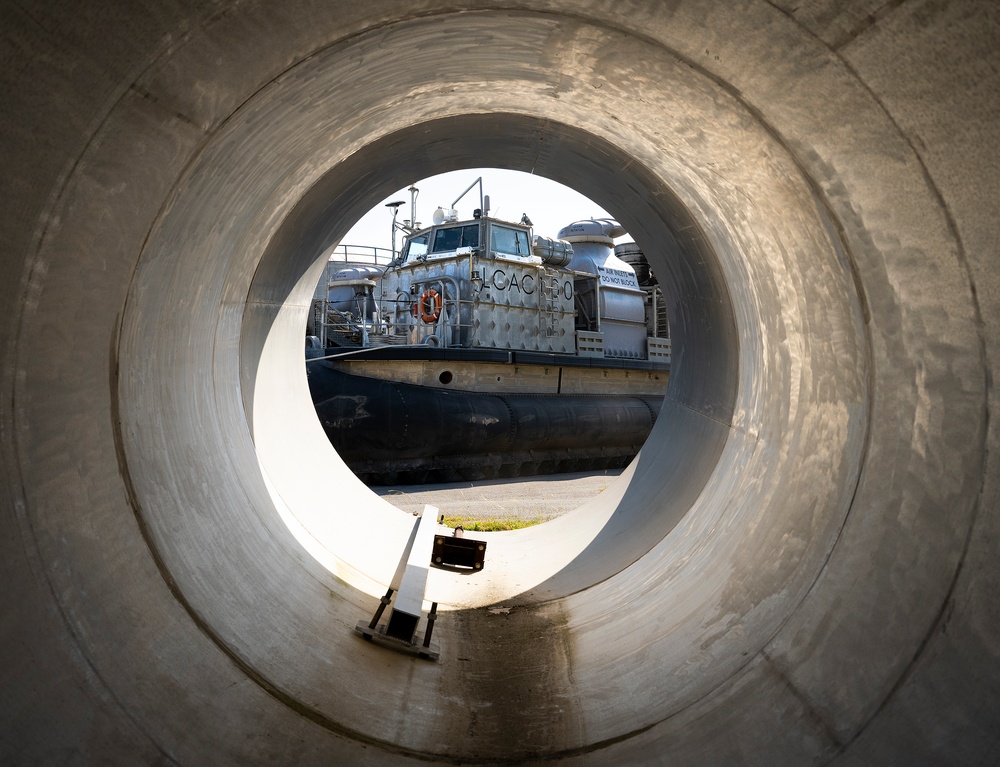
361	254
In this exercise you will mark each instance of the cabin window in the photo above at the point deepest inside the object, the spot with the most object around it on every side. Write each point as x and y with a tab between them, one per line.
512	242
416	246
456	237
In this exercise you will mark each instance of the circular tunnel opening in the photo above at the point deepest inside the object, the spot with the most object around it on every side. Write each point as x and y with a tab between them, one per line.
702	316
761	308
708	251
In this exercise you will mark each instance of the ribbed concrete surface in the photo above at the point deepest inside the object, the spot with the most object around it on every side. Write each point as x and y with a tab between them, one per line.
799	568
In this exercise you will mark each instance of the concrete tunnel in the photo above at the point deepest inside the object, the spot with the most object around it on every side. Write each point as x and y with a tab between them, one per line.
799	568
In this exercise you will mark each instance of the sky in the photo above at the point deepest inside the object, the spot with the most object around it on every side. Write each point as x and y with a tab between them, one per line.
549	205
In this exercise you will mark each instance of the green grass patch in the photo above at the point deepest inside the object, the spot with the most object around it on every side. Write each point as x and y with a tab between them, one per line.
493	524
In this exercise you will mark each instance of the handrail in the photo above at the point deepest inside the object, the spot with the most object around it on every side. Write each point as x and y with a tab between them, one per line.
367	254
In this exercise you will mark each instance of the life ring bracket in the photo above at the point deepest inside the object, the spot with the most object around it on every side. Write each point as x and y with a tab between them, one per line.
429	305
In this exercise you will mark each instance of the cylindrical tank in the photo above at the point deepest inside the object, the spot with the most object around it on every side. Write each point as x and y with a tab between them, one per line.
552	252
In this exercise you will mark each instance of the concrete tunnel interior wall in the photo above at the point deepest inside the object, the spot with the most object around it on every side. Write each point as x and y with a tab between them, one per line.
801	559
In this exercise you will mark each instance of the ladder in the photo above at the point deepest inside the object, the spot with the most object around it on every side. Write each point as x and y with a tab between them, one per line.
548	311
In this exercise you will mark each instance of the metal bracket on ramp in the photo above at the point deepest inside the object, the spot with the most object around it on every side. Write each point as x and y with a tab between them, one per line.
423	550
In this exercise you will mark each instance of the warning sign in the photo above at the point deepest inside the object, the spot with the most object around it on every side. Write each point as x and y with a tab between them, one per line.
618	278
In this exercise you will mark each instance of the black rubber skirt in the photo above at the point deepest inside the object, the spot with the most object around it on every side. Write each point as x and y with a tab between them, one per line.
389	432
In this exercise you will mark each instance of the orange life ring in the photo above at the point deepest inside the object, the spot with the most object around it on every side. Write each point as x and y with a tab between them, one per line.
429	305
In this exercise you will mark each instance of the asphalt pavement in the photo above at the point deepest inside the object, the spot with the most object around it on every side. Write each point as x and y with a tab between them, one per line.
544	497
